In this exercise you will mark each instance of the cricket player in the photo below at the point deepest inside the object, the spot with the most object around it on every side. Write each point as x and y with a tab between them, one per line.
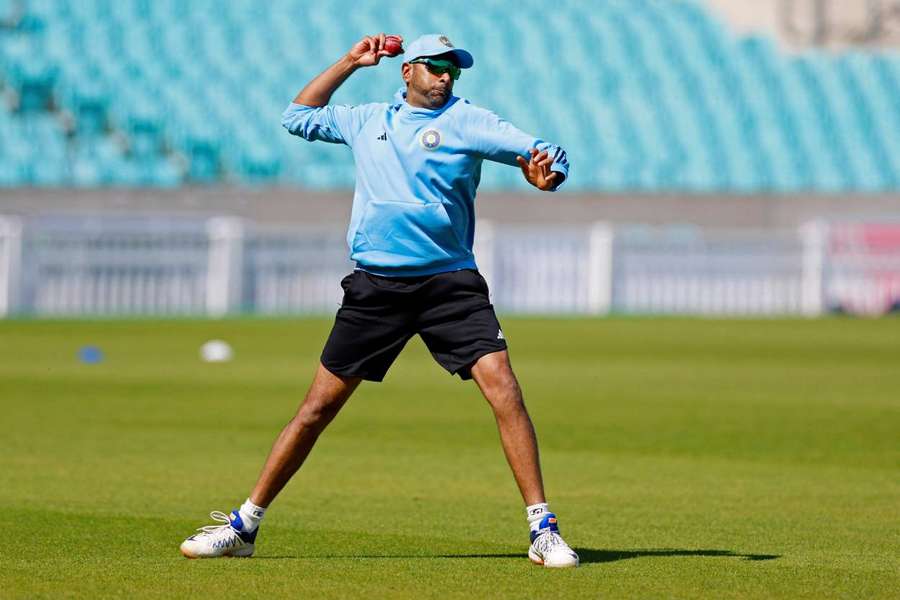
418	164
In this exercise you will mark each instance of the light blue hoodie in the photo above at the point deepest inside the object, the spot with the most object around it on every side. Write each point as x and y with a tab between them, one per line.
416	175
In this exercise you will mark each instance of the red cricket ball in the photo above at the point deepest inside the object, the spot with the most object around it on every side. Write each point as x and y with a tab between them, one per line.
393	45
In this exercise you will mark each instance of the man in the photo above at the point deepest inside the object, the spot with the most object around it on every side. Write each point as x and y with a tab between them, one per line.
418	164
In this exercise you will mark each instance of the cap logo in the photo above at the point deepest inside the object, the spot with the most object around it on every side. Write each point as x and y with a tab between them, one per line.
445	41
431	139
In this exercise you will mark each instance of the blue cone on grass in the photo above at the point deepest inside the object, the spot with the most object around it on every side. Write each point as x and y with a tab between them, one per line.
90	355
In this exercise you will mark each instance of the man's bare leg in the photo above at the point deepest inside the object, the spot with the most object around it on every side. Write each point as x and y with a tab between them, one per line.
497	382
327	394
495	377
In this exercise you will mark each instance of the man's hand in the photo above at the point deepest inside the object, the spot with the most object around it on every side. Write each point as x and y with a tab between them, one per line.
537	170
368	51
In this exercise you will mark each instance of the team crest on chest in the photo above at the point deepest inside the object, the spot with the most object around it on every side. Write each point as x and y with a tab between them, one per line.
430	139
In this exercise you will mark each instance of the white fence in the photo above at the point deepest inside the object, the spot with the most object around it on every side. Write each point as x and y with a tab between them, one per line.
150	266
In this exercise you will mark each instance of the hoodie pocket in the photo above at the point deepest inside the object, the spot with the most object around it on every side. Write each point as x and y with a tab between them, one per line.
410	233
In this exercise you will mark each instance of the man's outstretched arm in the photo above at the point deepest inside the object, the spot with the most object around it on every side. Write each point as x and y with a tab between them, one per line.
544	165
367	52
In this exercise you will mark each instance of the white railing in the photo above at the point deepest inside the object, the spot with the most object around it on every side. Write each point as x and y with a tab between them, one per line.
708	273
10	264
295	271
110	266
224	265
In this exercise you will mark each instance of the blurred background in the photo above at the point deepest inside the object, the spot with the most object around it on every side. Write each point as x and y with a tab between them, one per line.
728	157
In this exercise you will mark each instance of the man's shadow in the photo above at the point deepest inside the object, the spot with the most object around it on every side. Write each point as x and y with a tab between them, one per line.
586	555
593	555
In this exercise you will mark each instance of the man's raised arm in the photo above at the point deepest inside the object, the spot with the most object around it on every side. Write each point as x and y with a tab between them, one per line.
310	116
366	52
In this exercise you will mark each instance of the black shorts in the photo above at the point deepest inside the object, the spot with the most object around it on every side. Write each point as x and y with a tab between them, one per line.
451	311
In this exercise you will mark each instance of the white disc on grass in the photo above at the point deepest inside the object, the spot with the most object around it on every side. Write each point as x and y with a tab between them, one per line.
216	351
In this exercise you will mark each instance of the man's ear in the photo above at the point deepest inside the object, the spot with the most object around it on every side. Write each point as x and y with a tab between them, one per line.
406	72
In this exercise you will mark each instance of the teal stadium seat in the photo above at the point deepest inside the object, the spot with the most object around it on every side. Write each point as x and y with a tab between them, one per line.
646	95
10	14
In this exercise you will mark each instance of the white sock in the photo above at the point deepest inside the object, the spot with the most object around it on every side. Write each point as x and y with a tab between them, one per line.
251	515
536	512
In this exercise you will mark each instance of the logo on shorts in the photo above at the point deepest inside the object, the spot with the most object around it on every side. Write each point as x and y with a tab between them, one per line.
430	139
445	41
500	334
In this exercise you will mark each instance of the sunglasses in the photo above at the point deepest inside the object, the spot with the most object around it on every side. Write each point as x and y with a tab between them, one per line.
439	67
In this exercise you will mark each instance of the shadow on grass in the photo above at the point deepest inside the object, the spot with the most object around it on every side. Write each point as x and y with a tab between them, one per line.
587	555
592	555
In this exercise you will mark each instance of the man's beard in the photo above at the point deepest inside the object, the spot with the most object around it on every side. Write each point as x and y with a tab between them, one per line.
438	96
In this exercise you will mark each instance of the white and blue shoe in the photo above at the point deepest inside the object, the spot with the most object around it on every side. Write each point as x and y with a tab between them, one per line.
547	546
227	539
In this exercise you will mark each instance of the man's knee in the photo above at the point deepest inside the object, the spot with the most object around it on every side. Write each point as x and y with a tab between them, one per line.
494	371
315	415
327	394
504	395
497	381
507	399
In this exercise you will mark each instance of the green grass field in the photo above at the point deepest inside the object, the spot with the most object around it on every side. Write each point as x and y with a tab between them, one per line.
685	458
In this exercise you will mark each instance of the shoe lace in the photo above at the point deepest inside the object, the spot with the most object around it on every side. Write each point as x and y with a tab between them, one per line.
546	542
222	535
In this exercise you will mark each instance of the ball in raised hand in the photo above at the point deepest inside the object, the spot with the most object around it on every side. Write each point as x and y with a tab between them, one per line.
392	45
